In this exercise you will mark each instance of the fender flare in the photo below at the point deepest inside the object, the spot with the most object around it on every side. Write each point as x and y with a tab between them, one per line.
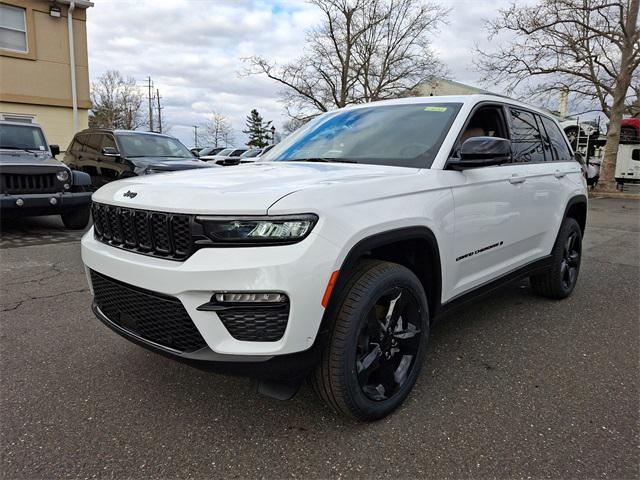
375	241
80	179
574	201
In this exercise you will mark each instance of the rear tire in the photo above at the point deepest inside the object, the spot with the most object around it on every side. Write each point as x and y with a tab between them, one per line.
76	219
377	344
561	279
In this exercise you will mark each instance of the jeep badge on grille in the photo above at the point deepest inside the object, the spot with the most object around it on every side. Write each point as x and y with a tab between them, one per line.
129	194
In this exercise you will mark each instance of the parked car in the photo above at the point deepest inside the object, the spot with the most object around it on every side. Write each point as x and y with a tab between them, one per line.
254	154
226	157
332	257
108	155
33	182
210	151
195	151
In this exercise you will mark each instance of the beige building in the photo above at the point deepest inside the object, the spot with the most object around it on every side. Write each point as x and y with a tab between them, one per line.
441	86
44	78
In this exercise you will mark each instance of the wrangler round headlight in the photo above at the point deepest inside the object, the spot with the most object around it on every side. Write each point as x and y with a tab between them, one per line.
270	230
62	175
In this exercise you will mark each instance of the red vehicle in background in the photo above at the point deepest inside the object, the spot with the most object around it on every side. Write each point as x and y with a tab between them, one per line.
630	130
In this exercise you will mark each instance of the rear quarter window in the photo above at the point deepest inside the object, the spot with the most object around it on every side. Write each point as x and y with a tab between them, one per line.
559	147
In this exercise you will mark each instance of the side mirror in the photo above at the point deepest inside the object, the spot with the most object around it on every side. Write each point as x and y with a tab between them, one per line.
110	152
482	152
55	150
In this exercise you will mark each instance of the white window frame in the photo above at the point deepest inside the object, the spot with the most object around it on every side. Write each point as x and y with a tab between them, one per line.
24	22
18	117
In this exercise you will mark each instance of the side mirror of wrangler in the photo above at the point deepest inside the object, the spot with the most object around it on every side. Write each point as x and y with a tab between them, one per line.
55	150
110	152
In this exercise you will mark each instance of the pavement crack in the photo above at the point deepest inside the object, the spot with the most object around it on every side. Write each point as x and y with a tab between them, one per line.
17	305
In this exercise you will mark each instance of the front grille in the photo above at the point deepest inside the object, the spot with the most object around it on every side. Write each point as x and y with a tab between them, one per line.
158	318
256	323
13	183
158	234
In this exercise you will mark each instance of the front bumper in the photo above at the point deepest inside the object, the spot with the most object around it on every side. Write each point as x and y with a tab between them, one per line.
42	202
301	271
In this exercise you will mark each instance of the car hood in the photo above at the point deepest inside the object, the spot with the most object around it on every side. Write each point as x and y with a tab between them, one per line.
9	158
245	189
169	164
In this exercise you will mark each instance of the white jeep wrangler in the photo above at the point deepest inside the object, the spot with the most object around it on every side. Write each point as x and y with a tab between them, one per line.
331	258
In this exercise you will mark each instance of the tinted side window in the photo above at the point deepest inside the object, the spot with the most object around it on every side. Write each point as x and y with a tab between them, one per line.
75	145
93	143
559	146
525	137
81	141
109	141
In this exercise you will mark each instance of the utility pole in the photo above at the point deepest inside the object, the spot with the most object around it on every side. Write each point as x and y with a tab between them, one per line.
195	135
159	111
150	106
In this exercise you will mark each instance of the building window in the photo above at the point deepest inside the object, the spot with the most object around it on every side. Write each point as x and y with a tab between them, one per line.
17	117
13	28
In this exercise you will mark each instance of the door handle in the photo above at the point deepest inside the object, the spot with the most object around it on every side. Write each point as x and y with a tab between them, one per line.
559	174
515	179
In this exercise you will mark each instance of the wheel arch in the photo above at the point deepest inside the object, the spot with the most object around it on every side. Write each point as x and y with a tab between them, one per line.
414	247
577	209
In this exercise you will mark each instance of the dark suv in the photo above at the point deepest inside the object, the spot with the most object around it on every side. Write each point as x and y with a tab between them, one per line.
33	182
108	155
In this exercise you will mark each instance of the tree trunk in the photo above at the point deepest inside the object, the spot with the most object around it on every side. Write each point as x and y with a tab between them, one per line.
607	181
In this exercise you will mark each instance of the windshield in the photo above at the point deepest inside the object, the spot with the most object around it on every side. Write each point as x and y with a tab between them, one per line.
254	152
143	145
209	151
224	152
23	137
407	135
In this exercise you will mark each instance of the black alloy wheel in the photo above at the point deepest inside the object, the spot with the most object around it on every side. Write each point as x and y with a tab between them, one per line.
388	343
570	261
378	340
562	276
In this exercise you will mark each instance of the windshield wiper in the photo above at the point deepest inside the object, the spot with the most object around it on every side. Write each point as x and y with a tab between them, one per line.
323	159
25	148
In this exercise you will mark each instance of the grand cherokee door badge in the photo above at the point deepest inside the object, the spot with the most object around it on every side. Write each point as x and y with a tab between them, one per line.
480	250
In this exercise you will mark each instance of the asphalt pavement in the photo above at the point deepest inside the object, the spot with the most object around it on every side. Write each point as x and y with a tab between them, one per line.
514	386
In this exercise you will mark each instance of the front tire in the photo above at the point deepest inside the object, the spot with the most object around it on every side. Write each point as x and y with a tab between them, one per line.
561	279
76	219
377	344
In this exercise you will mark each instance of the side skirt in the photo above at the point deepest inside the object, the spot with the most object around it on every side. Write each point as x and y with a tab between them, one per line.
537	266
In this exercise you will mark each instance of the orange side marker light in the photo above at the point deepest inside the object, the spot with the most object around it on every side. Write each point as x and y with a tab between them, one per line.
330	285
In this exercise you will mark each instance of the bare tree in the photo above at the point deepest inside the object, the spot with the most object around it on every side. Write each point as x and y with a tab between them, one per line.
364	50
217	131
116	102
589	48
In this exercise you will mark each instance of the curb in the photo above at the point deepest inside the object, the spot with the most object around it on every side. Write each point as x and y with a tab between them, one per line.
627	196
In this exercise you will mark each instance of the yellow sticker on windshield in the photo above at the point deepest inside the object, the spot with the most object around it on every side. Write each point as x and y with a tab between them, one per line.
435	109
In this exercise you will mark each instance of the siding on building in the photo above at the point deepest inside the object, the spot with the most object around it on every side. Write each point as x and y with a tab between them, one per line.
38	83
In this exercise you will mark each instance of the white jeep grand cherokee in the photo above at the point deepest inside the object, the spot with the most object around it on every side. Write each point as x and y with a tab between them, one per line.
332	258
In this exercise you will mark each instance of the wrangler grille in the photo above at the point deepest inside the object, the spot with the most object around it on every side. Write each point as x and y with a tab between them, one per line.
158	234
24	183
154	317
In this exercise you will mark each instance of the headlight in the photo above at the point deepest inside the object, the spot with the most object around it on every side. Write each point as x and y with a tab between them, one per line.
263	230
62	175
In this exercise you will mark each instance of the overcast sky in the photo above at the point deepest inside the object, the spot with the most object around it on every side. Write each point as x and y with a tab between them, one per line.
193	48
